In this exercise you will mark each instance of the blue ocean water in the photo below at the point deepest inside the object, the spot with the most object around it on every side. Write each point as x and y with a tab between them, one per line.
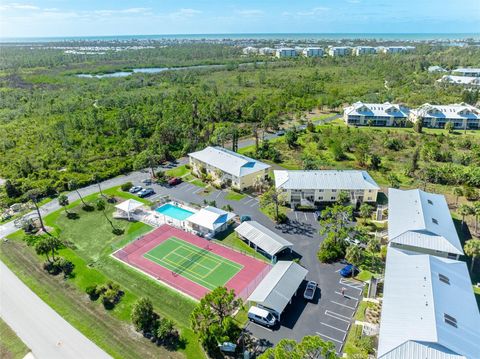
261	36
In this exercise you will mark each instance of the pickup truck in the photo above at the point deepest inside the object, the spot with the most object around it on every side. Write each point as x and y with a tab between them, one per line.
310	290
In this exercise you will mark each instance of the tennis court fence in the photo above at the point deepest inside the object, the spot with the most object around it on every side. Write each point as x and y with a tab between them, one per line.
245	293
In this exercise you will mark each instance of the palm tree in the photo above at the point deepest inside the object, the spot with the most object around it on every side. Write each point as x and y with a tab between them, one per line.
101	206
476	213
73	186
354	255
365	211
48	245
34	196
464	210
64	202
457	191
96	179
472	249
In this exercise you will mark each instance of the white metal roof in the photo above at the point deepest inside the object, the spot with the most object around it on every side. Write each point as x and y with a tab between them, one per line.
210	217
453	111
264	238
228	161
129	205
421	219
436	68
325	179
415	302
377	109
461	80
468	70
279	285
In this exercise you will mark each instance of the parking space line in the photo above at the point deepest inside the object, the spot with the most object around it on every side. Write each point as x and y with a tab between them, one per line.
296	215
314	217
248	200
331	326
336	316
344	305
305	214
218	194
253	204
346	296
349	284
326	336
198	190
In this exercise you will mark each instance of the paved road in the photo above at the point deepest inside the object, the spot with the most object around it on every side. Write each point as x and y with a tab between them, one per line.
45	332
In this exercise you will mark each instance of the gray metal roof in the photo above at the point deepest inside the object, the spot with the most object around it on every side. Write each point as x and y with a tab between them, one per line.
455	111
228	161
377	109
262	237
279	285
327	179
415	301
421	219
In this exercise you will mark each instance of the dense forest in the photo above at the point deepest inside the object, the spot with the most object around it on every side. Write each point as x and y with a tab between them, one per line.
57	127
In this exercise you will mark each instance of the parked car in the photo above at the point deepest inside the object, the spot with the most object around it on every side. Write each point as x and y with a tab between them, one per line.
261	316
145	192
318	215
349	271
353	241
135	189
280	133
147	181
174	181
310	290
245	218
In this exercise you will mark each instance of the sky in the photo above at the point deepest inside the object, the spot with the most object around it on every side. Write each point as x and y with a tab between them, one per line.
42	18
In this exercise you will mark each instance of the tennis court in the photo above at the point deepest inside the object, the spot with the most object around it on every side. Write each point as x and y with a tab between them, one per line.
199	265
190	264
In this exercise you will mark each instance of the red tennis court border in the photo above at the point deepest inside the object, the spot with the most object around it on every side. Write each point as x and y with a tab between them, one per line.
244	282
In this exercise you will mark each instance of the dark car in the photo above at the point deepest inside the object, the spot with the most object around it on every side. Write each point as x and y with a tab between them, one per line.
245	218
145	192
174	181
280	133
349	271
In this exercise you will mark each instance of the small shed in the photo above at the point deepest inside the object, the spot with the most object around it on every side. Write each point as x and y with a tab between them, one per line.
128	207
278	287
210	220
263	239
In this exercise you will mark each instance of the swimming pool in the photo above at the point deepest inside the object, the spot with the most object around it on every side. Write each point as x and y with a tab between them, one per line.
173	211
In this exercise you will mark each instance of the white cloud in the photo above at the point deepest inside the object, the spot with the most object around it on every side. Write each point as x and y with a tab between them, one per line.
250	13
316	11
184	13
18	6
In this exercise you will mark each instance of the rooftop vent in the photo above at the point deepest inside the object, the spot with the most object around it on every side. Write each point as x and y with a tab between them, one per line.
443	278
450	320
430	201
434	220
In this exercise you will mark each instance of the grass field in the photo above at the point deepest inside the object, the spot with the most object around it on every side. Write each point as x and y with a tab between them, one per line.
194	263
92	240
178	171
11	346
234	196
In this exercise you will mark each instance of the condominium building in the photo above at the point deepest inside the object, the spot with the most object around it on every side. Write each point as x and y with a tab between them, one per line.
465	81
312	52
421	221
470	72
395	49
286	52
250	50
339	51
228	168
364	50
463	116
376	114
308	188
266	51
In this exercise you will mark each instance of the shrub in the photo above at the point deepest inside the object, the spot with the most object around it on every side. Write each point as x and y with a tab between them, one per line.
126	186
92	292
331	251
67	267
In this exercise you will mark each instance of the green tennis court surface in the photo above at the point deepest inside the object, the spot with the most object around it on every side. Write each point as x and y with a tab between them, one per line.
194	263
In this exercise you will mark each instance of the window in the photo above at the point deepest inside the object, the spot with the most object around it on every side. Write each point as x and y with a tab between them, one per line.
430	201
443	278
334	190
332	198
434	220
450	320
320	198
320	190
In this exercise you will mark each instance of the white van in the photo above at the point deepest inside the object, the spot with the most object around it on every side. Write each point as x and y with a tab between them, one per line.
261	316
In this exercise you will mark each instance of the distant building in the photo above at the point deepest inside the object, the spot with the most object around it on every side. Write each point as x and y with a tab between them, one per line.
375	114
250	50
227	167
364	50
463	116
470	72
339	51
266	51
395	49
308	188
465	81
313	52
421	221
434	69
286	52
429	309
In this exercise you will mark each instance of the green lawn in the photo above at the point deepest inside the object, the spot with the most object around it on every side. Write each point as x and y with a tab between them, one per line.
11	346
178	171
92	242
235	196
194	263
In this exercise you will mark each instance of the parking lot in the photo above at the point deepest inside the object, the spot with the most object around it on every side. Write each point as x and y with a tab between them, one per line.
330	314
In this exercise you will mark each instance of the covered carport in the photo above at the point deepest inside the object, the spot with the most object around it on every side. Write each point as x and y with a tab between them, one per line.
278	287
263	239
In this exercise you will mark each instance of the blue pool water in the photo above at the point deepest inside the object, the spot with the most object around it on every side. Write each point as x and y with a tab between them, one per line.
173	211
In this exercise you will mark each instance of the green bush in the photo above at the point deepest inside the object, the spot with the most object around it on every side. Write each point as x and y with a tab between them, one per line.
126	186
331	251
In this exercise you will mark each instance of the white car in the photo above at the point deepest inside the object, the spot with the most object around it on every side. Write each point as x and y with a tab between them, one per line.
261	316
310	290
